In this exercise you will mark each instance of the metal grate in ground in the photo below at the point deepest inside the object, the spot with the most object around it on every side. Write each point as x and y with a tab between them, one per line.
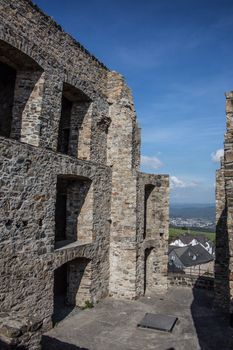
159	322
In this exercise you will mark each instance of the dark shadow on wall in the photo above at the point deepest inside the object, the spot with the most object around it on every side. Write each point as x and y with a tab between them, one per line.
26	91
5	346
210	310
61	308
146	260
49	343
221	267
212	326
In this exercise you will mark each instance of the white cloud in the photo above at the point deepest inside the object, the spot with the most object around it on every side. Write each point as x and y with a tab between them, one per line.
216	156
176	182
151	162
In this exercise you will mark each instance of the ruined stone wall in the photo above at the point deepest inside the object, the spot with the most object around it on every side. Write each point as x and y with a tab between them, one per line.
28	206
62	60
124	179
127	249
28	258
224	222
156	242
228	173
190	281
93	146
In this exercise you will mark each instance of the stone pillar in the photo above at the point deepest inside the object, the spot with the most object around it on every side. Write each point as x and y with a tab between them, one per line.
124	194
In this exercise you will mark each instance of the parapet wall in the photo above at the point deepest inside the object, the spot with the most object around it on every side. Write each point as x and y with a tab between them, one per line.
185	280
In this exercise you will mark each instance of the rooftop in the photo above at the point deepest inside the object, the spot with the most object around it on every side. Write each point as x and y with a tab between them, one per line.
191	255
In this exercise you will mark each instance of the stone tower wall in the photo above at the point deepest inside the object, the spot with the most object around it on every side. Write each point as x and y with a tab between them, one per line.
224	219
91	145
124	179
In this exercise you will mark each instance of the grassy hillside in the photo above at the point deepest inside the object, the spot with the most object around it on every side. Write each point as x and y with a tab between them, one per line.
173	232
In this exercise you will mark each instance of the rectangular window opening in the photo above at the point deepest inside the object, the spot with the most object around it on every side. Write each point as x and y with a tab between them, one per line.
73	211
75	123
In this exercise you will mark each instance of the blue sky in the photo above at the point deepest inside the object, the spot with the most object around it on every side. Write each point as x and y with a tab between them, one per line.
176	55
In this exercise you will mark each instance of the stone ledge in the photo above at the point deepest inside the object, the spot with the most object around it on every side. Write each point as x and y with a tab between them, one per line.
63	245
59	157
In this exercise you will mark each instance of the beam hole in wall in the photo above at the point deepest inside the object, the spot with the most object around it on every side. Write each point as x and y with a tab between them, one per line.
20	95
72	283
75	123
148	212
73	211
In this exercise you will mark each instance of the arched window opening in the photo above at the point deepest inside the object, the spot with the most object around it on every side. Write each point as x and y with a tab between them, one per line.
21	90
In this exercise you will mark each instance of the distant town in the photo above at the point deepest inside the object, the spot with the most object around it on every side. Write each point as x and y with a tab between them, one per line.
193	216
192	222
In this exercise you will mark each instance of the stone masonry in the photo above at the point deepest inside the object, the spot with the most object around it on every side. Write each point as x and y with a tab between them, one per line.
79	221
224	220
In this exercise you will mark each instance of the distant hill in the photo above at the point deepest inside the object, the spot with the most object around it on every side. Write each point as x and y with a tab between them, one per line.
193	211
175	232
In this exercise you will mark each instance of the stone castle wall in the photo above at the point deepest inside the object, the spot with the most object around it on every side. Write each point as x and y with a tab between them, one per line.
76	214
224	223
190	281
152	232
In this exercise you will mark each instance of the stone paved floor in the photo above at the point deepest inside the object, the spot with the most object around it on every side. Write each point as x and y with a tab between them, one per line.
112	325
